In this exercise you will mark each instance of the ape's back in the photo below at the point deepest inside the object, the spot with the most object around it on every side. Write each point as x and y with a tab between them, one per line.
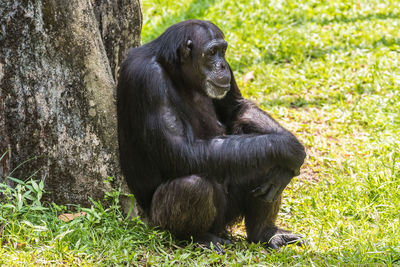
141	173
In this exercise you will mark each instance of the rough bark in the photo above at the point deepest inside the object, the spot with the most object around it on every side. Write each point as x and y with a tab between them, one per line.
57	97
118	28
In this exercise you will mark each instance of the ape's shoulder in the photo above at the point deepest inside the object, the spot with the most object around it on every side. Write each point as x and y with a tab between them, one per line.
141	66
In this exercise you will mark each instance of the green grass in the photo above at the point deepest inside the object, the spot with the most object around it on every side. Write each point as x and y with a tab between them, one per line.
327	70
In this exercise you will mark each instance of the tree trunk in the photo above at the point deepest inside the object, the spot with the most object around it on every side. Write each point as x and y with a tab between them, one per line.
58	60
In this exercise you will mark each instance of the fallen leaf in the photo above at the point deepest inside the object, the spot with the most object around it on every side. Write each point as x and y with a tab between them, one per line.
12	243
20	245
248	77
67	217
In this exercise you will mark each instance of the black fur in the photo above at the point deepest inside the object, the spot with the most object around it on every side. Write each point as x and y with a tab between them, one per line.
196	160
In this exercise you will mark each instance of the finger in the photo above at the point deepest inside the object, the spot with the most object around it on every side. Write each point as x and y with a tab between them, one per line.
271	193
261	190
218	249
257	190
272	246
302	243
279	192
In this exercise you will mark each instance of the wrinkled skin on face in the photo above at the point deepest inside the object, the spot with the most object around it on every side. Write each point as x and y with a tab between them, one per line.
208	67
215	69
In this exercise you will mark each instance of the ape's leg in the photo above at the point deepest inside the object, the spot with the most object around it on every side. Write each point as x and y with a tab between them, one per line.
190	207
260	217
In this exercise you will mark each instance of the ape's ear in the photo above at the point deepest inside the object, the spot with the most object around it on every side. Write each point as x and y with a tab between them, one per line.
186	50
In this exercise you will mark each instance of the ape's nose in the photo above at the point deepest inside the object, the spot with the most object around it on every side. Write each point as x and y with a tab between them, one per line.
221	65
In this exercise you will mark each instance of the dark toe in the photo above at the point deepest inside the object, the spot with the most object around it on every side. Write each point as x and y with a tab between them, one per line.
213	242
282	238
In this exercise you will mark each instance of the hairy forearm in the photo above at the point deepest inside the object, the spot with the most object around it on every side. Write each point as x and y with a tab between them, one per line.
221	155
252	119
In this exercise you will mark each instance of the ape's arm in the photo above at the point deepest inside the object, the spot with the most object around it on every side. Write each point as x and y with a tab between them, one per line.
251	119
178	153
243	117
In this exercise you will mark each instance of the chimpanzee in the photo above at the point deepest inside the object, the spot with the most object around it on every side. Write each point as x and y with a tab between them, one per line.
194	152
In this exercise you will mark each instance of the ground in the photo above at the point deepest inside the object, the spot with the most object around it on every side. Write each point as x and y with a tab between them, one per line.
328	71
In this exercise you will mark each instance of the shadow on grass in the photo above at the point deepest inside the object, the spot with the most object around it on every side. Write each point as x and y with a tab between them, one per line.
297	20
383	41
389	42
343	19
196	10
301	102
320	53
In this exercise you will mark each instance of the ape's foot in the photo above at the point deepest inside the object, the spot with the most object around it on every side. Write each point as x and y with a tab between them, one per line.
275	238
211	241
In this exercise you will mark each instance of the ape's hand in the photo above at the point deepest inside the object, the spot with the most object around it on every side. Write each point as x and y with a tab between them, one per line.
277	180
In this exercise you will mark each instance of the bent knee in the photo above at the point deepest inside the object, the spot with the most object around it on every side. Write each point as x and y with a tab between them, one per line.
185	206
193	183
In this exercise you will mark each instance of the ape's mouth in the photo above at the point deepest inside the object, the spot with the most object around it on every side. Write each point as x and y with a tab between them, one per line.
221	86
215	90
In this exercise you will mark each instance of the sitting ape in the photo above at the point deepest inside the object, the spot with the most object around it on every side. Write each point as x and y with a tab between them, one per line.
195	153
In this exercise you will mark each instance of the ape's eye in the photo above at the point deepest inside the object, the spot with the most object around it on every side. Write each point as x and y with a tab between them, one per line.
212	51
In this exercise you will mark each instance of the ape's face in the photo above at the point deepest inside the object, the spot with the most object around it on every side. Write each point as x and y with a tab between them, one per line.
214	69
205	66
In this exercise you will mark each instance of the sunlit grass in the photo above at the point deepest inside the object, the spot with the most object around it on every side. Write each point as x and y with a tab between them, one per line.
327	70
